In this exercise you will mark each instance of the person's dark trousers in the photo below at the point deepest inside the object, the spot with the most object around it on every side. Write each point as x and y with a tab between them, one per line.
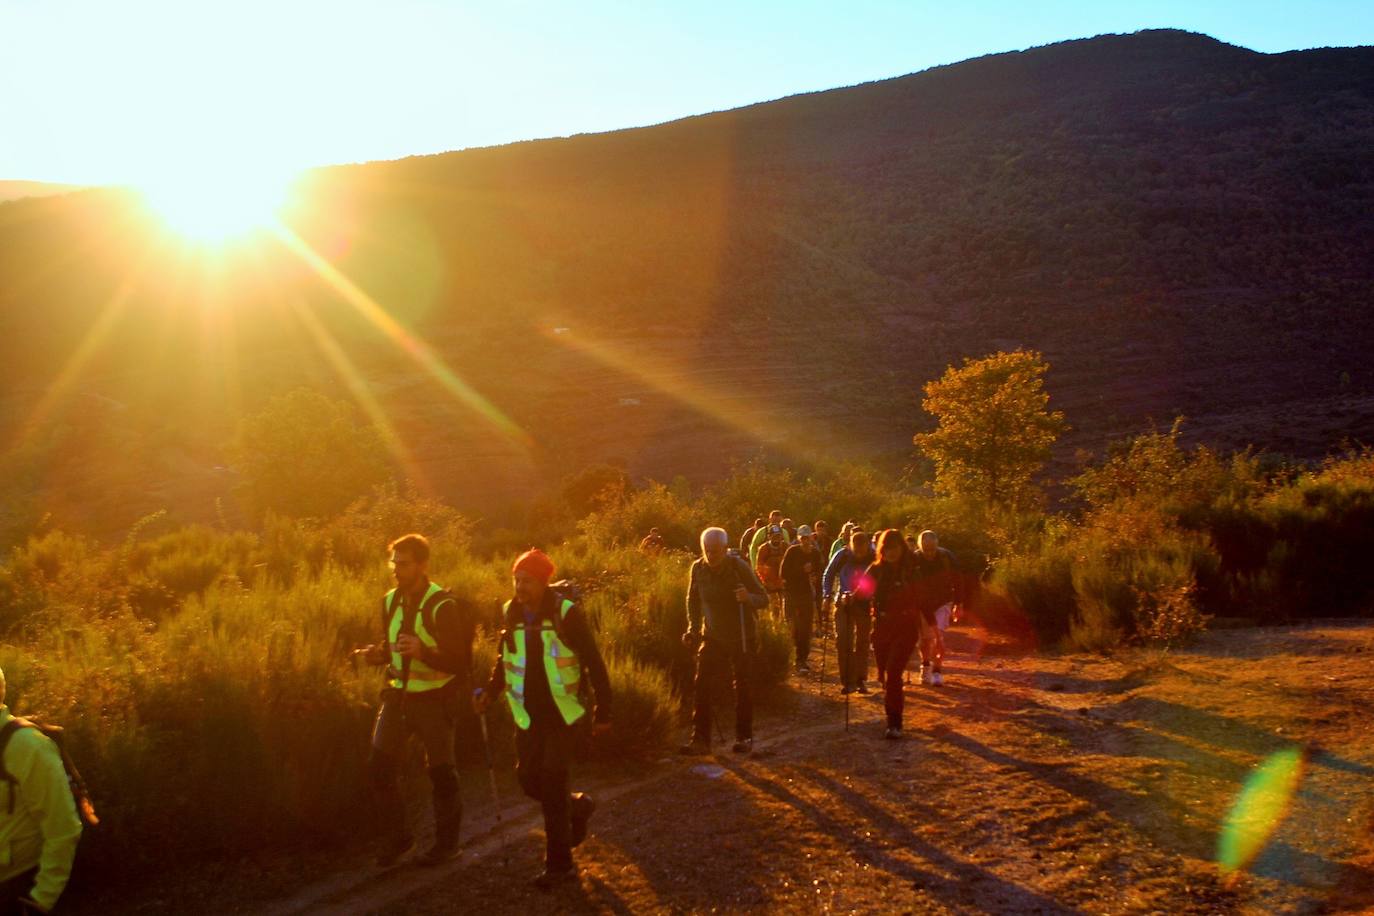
544	751
894	639
852	621
714	663
448	806
12	889
429	716
800	608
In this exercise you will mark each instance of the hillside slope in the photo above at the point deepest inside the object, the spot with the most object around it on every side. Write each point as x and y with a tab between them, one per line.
1182	226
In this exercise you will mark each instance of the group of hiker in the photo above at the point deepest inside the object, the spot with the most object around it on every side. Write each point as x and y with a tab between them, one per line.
894	593
860	588
548	668
879	589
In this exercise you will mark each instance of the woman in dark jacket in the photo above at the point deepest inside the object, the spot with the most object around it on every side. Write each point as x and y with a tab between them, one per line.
896	620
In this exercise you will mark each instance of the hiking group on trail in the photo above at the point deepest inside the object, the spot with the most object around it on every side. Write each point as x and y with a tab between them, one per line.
550	671
861	590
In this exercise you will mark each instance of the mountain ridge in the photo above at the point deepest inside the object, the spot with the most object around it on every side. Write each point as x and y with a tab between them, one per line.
1180	225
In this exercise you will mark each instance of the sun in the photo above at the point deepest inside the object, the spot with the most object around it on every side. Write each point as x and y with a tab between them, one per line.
217	206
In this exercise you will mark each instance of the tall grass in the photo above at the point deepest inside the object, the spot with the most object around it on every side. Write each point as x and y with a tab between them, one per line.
204	673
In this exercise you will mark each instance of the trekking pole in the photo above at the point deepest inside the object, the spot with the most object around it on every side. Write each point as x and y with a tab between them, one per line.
825	635
491	767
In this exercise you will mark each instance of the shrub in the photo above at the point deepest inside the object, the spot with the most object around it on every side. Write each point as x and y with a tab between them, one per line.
994	428
305	455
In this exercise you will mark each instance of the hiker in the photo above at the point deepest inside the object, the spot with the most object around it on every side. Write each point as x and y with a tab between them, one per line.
821	532
761	536
896	620
769	567
746	540
941	601
848	573
652	545
39	823
799	567
841	542
791	530
426	645
546	656
723	600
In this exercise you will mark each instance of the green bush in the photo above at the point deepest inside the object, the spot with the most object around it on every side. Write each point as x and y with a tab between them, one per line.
204	673
645	710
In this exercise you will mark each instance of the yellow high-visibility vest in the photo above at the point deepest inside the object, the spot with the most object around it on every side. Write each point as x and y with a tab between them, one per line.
561	666
422	677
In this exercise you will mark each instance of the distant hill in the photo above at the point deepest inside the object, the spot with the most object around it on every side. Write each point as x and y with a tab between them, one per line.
1180	225
13	190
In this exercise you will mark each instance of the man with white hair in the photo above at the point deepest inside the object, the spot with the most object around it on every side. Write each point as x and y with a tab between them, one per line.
940	600
723	600
39	825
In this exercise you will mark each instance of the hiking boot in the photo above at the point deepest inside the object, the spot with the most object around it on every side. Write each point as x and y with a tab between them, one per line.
863	687
550	878
583	806
936	680
439	853
925	676
448	817
695	748
394	850
893	732
846	690
803	669
743	746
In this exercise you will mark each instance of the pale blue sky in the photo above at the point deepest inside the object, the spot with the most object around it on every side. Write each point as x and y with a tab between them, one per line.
116	90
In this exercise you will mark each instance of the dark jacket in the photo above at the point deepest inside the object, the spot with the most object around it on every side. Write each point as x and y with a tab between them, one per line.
895	590
712	610
578	636
937	581
796	578
747	539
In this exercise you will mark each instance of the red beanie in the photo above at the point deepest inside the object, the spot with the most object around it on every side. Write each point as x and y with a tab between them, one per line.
535	562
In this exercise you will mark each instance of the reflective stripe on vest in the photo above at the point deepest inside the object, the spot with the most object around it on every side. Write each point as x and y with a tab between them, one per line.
422	677
561	666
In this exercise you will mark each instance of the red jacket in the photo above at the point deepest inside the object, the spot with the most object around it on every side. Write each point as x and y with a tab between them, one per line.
770	566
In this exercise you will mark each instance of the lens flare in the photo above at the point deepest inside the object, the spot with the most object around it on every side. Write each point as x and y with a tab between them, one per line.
1259	809
213	206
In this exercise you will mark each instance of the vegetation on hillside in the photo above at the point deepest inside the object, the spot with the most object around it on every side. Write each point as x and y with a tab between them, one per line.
1183	226
204	670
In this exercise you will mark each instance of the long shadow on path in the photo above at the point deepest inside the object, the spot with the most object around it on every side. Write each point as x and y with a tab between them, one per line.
962	883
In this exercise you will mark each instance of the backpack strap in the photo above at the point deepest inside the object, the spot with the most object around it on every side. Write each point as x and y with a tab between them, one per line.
7	732
430	606
81	796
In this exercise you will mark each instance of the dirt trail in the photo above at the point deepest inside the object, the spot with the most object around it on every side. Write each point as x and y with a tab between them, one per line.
1028	784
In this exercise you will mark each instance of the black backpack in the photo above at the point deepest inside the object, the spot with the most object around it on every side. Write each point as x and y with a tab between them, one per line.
80	794
568	590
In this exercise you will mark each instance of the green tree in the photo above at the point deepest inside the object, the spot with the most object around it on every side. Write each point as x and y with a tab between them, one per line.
994	428
305	455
